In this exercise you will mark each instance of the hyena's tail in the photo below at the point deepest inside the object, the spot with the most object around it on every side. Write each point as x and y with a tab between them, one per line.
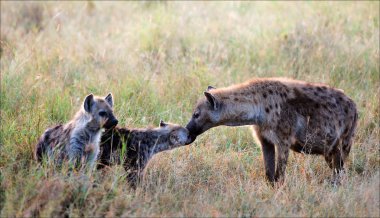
349	136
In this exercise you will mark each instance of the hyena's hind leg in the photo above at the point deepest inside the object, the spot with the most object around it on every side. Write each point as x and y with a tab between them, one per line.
342	149
334	158
335	161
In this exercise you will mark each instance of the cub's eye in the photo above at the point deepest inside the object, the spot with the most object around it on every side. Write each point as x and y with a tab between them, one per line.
196	114
102	113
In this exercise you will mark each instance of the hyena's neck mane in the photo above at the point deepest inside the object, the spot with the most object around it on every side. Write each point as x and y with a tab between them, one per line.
251	103
85	129
83	120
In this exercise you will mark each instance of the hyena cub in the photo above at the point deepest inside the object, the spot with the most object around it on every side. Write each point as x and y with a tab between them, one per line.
286	114
139	145
78	140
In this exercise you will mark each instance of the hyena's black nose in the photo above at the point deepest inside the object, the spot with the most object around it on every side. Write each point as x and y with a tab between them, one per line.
115	122
112	122
190	139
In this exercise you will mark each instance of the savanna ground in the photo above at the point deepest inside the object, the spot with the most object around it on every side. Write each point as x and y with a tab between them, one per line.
157	58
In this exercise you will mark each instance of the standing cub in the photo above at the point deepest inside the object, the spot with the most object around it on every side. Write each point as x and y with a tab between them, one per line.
78	140
140	145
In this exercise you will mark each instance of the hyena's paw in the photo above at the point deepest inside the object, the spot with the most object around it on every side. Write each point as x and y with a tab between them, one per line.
338	178
275	182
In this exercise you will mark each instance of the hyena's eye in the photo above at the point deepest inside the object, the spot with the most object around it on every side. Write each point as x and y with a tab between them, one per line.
102	113
196	114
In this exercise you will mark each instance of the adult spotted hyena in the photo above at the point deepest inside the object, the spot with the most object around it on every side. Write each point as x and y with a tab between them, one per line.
139	146
78	140
286	114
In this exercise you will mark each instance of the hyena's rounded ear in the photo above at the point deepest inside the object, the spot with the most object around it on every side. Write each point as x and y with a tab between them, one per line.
162	123
210	87
212	100
88	101
109	99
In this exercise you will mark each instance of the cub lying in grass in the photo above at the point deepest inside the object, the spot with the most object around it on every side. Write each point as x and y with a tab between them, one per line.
78	140
139	146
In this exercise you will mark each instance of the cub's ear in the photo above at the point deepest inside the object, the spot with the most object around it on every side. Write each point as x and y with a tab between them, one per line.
109	99
88	101
210	87
212	100
162	123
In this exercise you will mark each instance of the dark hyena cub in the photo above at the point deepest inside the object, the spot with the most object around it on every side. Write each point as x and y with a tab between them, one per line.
140	145
78	140
287	114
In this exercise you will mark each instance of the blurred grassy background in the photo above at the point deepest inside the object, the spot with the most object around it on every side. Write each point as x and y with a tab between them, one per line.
157	58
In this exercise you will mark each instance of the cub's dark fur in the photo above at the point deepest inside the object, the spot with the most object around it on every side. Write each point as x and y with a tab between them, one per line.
139	145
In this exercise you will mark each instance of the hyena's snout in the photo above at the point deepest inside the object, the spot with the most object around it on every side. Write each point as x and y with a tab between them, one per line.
190	139
111	122
193	132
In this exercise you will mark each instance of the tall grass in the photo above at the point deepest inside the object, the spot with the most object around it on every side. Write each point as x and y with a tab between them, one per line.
157	58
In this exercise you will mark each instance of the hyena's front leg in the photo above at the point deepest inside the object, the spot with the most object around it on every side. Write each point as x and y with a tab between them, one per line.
75	152
90	155
281	161
268	150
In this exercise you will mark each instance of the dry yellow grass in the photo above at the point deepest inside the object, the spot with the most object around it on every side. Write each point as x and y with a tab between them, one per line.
157	58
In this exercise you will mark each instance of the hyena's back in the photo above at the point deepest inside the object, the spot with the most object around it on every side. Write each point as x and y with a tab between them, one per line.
51	139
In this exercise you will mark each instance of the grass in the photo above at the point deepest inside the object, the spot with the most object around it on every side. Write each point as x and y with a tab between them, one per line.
157	58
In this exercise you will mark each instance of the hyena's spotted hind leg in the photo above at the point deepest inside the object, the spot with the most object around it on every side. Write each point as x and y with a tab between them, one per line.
338	167
335	161
341	151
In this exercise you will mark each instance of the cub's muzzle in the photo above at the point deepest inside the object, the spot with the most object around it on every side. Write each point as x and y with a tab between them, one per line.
112	122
